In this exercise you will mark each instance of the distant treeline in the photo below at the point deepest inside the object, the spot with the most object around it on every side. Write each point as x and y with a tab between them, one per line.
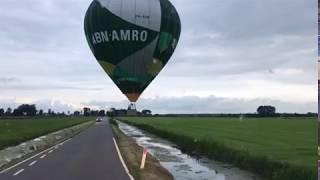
249	115
262	111
31	110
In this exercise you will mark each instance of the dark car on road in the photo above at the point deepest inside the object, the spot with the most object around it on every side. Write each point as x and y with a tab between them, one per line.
99	119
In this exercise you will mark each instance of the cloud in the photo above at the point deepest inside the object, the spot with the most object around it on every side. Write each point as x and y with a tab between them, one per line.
6	80
239	50
44	104
247	19
210	104
47	87
164	105
7	103
56	106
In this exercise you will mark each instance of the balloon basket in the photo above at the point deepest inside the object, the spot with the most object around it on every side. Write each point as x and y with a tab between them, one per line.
132	111
132	106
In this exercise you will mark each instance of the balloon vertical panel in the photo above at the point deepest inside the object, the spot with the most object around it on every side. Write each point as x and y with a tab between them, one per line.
132	40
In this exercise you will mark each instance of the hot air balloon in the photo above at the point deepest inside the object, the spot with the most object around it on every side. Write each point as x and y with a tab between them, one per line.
132	40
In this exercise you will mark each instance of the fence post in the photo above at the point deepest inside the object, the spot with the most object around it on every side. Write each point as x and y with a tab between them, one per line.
144	156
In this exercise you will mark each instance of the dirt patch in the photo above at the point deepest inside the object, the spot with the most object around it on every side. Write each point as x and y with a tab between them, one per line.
132	154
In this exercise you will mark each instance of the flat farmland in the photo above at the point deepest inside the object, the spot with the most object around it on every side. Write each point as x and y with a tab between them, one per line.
16	130
273	147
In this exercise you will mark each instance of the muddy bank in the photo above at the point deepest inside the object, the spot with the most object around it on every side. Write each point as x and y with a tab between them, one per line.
132	154
183	166
259	165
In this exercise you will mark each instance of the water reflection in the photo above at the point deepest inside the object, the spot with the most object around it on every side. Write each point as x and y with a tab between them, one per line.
183	166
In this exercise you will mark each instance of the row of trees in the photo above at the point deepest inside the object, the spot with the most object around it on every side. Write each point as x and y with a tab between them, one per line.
89	112
22	110
266	110
262	111
31	110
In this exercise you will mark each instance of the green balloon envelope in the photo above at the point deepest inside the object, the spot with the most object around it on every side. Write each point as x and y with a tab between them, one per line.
132	40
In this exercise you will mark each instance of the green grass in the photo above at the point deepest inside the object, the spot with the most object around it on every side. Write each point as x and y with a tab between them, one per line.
276	148
16	130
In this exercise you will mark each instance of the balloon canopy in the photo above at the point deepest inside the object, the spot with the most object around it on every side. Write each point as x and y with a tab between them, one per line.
132	40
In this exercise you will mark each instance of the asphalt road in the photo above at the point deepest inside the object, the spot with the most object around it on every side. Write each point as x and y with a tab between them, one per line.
91	155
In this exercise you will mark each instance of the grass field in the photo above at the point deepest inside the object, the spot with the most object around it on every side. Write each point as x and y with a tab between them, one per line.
14	131
276	148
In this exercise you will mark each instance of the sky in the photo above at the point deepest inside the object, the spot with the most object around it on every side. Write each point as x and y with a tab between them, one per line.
232	57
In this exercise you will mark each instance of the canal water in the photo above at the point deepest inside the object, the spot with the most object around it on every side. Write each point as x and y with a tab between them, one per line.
183	166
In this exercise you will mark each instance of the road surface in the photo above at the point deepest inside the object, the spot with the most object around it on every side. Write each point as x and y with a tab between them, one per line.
91	155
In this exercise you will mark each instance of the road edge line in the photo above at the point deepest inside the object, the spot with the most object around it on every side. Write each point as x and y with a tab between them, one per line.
25	160
18	172
121	159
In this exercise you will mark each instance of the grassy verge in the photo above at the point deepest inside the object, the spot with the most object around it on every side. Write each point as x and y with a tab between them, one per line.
275	148
15	131
132	153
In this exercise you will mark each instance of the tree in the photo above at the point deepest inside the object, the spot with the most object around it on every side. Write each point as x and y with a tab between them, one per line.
49	112
111	113
40	112
1	112
94	113
76	113
86	111
101	113
146	112
266	110
26	109
16	112
8	112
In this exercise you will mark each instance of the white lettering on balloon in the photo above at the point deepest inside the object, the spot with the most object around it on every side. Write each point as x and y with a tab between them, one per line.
119	35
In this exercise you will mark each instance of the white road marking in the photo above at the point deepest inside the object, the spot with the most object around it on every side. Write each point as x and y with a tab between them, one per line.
43	156
18	172
62	143
50	151
15	165
122	161
33	162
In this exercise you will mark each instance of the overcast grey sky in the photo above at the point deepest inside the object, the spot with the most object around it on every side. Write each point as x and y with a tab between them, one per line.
232	56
